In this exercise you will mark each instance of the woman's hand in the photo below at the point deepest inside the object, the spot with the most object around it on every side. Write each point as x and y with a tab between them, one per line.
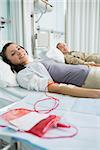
73	90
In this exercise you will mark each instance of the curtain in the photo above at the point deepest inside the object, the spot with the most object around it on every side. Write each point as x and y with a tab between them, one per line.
82	25
20	16
16	17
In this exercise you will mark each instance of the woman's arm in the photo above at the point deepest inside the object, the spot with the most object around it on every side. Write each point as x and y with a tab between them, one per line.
73	90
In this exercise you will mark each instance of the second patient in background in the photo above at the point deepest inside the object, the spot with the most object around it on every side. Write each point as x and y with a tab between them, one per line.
77	57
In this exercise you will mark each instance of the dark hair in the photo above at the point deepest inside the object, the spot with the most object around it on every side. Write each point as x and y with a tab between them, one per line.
15	68
58	45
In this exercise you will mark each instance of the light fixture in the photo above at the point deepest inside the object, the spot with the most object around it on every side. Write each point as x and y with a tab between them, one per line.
42	6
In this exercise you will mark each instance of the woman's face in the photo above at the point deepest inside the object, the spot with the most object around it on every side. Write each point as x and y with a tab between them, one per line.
16	55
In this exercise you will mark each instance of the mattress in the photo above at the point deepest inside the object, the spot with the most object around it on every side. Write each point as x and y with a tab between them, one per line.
9	95
84	113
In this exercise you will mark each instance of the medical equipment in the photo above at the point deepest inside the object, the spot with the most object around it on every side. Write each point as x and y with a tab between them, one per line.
42	6
37	124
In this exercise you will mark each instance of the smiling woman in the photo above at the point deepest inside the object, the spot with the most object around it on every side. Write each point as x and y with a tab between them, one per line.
14	56
15	53
48	74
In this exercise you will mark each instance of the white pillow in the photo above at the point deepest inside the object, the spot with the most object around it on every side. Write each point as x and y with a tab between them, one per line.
7	77
56	55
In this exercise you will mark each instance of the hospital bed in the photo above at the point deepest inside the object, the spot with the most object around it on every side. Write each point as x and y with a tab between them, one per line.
9	95
84	113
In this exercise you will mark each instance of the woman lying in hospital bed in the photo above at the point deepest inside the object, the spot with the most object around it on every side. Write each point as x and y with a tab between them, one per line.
42	75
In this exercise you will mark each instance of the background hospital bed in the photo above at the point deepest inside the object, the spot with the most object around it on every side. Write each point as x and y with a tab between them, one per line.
82	112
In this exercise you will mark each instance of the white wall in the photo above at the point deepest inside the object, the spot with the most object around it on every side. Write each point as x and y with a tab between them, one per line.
27	25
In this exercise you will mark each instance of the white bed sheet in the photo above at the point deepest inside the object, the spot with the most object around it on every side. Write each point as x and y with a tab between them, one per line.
9	95
82	112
